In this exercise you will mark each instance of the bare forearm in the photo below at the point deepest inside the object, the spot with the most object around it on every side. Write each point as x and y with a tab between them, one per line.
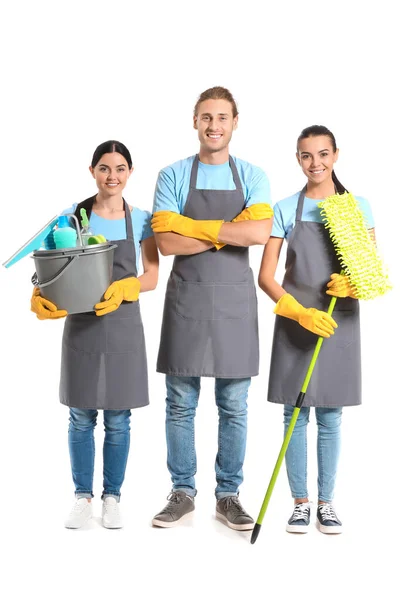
148	281
174	244
272	288
246	233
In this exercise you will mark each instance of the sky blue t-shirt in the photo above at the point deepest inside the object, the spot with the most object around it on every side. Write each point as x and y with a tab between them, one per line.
173	182
285	214
116	229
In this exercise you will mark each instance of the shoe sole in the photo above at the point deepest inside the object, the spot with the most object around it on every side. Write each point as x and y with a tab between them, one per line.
331	529
120	526
79	526
242	527
166	524
297	528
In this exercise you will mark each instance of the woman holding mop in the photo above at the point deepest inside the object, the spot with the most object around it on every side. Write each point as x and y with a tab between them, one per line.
103	364
312	276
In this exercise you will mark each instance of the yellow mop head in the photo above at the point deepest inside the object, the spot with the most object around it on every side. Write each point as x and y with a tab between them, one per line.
354	247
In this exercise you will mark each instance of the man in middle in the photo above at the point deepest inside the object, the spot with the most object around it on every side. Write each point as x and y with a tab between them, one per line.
208	210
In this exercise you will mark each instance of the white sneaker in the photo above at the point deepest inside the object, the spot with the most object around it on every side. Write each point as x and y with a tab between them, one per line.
80	514
110	513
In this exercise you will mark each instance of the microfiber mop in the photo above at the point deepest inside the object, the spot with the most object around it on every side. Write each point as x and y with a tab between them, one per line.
367	275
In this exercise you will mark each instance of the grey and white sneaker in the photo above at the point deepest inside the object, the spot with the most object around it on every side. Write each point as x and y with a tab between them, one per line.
327	519
110	514
179	507
80	514
300	519
231	512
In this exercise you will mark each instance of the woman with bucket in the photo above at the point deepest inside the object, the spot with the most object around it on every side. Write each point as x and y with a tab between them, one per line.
103	364
312	276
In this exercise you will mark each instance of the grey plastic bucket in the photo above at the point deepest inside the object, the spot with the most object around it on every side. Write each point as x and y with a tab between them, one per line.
74	279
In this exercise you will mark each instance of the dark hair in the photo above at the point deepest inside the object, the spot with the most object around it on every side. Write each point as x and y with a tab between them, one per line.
216	93
315	131
111	146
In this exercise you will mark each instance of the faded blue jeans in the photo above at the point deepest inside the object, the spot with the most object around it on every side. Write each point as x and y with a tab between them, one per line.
328	449
231	400
115	450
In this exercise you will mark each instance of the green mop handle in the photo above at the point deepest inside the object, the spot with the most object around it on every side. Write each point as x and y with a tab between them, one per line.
289	432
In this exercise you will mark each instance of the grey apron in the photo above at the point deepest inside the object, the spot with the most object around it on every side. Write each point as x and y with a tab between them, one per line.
336	379
210	324
103	362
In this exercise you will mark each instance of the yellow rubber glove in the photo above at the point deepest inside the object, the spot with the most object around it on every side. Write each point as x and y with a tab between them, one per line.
44	309
340	287
165	220
124	289
314	320
255	212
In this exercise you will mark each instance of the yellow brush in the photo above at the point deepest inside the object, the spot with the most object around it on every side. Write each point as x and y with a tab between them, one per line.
354	247
363	266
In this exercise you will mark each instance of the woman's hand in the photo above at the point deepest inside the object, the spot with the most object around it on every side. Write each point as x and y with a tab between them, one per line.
44	309
124	289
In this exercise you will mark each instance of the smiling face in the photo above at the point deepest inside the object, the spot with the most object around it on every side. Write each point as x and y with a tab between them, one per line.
317	158
111	174
215	124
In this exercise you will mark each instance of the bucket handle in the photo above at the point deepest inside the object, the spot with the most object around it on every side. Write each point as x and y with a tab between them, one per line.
77	226
36	281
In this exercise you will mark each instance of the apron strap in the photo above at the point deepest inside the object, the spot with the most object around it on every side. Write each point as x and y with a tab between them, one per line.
88	206
128	221
195	169
300	204
235	174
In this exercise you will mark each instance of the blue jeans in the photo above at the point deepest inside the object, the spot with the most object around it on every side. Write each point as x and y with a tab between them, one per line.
328	449
231	399
115	450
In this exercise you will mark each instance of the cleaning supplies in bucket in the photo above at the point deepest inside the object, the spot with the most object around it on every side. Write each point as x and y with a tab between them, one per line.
86	232
64	236
73	278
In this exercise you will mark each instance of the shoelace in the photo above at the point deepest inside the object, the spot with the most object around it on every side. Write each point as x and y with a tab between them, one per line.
79	507
300	511
173	499
327	512
110	508
232	503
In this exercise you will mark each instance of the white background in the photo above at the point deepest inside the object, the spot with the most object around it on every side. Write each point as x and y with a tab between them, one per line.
79	73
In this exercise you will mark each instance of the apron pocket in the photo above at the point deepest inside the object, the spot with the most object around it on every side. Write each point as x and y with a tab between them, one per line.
345	332
83	332
231	301
210	302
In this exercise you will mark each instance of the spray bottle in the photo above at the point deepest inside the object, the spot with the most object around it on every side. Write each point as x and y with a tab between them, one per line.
86	232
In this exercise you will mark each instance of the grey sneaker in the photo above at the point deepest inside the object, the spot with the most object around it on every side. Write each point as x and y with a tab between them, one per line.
300	519
327	519
179	507
231	512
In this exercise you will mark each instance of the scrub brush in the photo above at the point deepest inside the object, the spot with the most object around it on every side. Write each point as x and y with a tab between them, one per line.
363	266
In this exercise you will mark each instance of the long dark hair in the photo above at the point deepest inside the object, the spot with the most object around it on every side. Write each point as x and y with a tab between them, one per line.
111	146
314	131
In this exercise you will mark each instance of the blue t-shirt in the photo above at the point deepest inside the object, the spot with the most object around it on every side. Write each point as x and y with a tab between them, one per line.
173	182
115	229
285	214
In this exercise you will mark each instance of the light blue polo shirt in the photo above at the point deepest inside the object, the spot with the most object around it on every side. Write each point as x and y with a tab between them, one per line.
285	214
173	183
116	229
